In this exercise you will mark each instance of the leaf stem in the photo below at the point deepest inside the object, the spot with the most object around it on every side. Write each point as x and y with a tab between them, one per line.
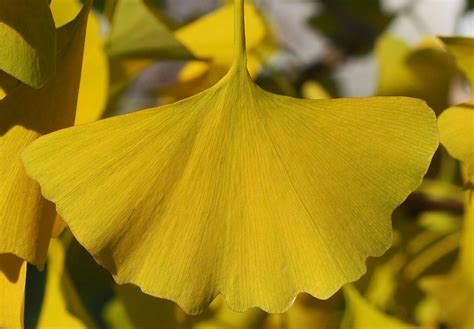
240	53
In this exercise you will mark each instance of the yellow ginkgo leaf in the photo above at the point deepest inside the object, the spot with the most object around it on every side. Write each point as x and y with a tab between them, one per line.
361	314
28	41
313	90
456	127
216	44
409	72
454	293
54	312
137	32
462	49
217	48
186	86
26	114
95	71
12	291
237	191
94	75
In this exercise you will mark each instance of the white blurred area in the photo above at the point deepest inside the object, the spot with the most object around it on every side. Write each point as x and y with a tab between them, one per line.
414	20
426	17
357	77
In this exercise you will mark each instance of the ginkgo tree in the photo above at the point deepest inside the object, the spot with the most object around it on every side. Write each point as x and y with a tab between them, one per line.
233	196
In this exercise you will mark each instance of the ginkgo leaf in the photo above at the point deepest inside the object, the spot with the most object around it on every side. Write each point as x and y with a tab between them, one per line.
12	291
216	44
237	191
217	47
95	71
313	90
456	126
93	87
362	315
462	49
54	312
454	293
409	72
28	40
25	114
188	85
137	32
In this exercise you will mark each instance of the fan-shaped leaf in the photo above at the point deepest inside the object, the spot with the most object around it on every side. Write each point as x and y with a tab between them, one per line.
456	127
25	114
237	191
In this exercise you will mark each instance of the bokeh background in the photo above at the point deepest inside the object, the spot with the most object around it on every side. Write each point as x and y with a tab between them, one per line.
330	41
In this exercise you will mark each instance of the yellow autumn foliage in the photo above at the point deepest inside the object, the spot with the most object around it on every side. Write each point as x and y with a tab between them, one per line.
237	191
